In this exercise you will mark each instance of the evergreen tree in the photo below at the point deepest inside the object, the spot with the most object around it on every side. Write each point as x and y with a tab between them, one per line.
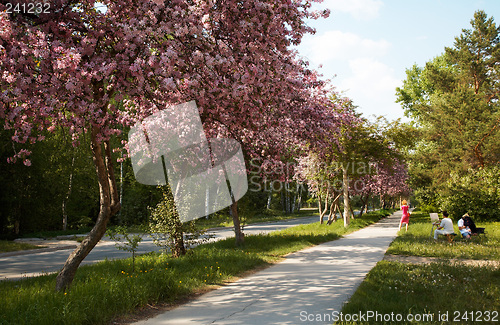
454	99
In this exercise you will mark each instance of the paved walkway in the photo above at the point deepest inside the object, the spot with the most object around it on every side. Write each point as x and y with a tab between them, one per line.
317	280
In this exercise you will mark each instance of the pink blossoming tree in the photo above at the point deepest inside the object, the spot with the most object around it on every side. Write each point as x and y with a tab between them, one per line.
358	160
95	67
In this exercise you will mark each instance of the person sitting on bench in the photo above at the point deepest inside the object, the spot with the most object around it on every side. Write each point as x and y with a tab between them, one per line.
464	227
445	227
468	222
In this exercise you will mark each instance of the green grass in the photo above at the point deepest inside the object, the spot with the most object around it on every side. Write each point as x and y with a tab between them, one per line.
417	241
106	290
435	289
11	246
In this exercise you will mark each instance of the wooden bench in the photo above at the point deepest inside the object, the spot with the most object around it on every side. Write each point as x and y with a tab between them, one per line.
450	237
480	231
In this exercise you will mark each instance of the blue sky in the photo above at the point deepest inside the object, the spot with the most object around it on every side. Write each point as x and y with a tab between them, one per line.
365	46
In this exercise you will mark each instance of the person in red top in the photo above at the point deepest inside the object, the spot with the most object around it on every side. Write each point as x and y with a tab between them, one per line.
406	215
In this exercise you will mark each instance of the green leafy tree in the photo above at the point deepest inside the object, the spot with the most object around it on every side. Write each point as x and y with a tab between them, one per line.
455	97
57	190
476	193
454	100
125	241
167	229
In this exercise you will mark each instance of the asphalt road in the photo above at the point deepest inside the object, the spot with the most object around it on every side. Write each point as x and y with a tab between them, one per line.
37	263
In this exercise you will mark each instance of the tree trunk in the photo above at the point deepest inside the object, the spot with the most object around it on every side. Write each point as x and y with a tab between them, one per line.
287	199
109	205
337	209
332	216
283	206
66	198
345	182
364	204
322	211
207	204
121	183
238	233
269	198
179	248
299	201
233	211
121	179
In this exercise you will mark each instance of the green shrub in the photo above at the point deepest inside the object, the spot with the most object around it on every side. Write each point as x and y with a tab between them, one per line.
477	192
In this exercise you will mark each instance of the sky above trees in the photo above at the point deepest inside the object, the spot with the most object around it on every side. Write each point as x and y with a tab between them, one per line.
368	44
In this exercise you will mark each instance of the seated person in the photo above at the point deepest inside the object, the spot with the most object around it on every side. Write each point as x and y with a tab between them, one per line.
469	223
445	227
464	228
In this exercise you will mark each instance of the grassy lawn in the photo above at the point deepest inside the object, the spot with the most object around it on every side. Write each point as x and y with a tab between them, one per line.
11	246
417	241
109	289
431	290
430	293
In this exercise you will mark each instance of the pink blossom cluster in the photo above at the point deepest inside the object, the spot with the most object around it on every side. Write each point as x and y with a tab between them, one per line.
391	179
381	178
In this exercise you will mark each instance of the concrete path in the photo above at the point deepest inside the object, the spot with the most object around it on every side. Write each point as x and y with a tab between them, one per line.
311	282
